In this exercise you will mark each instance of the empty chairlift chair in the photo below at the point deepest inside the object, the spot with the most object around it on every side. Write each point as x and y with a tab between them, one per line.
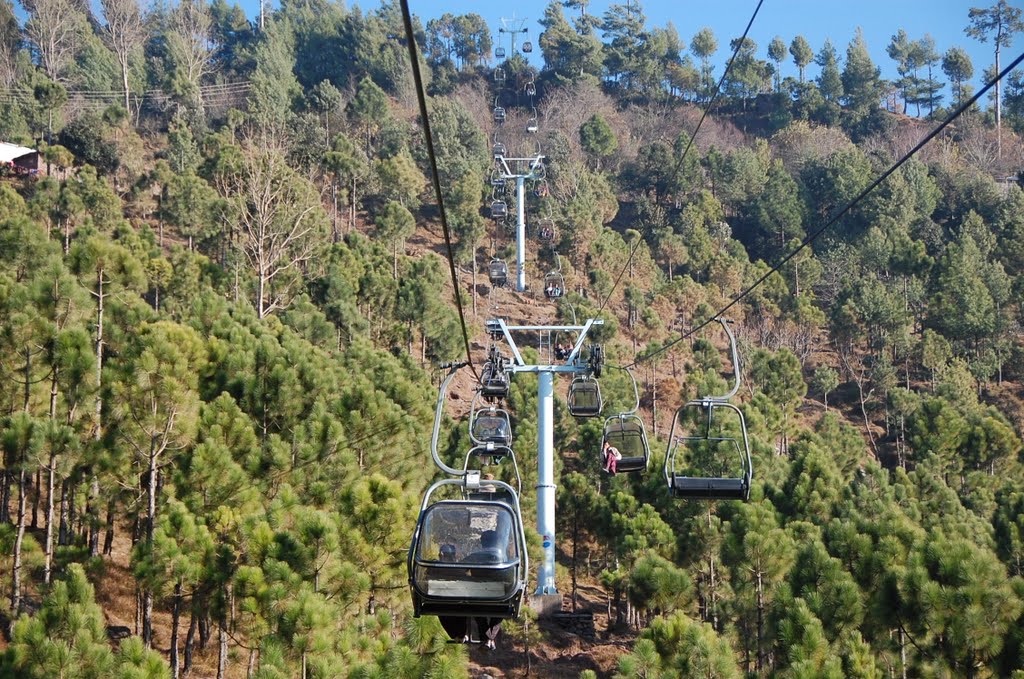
467	558
531	89
497	179
708	455
497	272
499	76
712	461
584	399
531	124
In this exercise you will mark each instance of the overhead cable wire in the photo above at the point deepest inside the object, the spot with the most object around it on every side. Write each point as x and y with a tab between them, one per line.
410	38
693	135
813	236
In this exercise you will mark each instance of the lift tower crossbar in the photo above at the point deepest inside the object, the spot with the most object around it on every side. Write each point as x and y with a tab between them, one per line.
545	432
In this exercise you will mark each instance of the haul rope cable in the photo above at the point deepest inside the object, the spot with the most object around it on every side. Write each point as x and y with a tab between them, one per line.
435	177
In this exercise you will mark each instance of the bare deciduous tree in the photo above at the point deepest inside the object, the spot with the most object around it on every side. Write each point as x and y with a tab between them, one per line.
281	222
55	29
189	44
124	35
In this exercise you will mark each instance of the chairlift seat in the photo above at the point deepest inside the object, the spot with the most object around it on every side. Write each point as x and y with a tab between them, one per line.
531	125
499	75
492	427
709	488
531	89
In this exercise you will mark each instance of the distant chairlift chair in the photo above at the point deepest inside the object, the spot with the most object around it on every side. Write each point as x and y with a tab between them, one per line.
497	272
584	399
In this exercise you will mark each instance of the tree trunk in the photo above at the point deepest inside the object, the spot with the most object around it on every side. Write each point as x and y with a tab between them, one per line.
18	540
51	475
108	539
147	595
175	624
760	623
190	638
222	650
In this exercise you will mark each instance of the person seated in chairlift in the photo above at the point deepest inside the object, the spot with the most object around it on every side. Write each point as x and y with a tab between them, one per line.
611	457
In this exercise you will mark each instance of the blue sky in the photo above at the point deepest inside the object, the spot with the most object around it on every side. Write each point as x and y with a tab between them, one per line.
816	20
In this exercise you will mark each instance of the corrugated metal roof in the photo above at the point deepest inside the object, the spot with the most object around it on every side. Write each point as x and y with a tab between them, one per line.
10	152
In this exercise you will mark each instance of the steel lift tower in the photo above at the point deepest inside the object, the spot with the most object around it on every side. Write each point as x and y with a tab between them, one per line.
521	169
545	431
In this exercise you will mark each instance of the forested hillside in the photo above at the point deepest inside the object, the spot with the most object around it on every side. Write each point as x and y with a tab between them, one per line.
224	295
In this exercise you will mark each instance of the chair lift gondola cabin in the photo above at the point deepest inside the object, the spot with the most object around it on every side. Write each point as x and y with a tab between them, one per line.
499	210
499	52
527	47
497	272
696	465
498	150
499	112
494	380
468	558
554	285
584	398
491	426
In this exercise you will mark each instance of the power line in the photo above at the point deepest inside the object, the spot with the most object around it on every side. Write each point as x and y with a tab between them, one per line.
689	144
435	177
837	216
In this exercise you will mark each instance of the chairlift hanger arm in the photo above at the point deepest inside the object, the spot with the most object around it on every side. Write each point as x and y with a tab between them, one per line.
636	390
438	411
